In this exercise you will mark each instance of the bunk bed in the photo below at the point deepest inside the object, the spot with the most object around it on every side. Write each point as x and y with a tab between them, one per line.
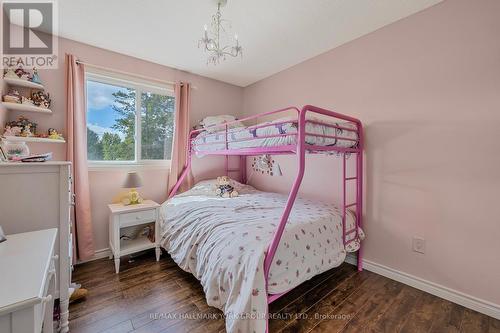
233	245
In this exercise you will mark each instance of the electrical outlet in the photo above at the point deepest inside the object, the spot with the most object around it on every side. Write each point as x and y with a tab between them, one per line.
419	245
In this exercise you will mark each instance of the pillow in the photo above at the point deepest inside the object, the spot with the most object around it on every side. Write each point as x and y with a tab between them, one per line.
212	121
207	188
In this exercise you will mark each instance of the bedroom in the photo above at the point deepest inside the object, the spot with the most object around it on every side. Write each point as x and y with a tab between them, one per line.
342	125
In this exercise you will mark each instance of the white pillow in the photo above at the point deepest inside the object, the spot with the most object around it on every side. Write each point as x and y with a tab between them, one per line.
207	188
212	121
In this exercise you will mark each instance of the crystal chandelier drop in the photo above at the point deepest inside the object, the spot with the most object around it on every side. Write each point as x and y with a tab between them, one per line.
211	40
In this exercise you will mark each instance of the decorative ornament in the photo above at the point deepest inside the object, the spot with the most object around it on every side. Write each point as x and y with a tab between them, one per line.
54	135
10	74
266	165
26	132
12	97
12	131
41	99
35	78
21	73
27	100
26	127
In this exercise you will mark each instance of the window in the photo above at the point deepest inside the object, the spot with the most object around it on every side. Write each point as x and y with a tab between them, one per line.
128	122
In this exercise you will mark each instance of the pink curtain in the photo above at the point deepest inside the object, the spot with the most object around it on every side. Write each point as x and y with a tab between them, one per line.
180	142
77	154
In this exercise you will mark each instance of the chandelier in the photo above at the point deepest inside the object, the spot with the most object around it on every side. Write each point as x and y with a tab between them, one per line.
211	40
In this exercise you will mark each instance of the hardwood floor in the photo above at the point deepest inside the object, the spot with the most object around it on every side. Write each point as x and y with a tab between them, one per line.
149	296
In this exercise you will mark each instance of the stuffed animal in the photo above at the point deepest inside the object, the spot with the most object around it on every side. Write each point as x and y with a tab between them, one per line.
224	188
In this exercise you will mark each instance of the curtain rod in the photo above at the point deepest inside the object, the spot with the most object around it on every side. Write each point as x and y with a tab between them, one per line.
128	73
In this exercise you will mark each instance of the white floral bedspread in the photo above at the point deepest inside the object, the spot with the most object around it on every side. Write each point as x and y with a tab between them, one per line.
222	242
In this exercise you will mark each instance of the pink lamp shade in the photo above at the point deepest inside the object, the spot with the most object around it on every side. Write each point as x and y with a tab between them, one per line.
133	180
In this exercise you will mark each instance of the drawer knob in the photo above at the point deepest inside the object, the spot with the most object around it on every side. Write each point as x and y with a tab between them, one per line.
55	257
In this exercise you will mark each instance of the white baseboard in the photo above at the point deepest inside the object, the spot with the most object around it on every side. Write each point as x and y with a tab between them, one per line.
98	254
468	301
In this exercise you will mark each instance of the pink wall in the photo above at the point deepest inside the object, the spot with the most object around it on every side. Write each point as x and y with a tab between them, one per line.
428	91
210	97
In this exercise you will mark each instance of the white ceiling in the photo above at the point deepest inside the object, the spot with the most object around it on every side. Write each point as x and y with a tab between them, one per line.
275	34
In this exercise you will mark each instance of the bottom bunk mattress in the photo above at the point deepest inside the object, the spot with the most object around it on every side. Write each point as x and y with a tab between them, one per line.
223	241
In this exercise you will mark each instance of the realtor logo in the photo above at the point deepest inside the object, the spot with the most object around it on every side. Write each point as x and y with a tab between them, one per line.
29	34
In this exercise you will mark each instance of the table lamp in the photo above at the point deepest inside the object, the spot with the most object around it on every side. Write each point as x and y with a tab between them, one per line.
132	182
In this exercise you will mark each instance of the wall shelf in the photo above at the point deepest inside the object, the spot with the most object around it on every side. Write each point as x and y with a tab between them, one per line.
23	83
31	139
25	107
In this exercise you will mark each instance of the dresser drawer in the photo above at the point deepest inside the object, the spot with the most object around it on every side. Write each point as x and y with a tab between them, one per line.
144	216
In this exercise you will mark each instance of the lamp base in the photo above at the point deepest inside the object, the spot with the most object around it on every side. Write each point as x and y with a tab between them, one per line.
132	198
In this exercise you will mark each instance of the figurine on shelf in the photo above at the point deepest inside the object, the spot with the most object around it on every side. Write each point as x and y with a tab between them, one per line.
12	131
21	73
35	78
28	128
54	135
10	74
27	100
12	97
26	131
41	99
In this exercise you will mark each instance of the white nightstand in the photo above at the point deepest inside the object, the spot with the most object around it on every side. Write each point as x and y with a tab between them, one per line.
127	216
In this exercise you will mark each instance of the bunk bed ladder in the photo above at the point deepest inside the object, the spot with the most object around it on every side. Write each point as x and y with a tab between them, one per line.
358	204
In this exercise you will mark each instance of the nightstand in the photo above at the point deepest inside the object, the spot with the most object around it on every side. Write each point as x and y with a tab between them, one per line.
122	217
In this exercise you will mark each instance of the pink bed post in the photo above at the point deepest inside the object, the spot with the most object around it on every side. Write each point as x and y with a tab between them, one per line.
186	169
227	148
359	190
344	198
301	154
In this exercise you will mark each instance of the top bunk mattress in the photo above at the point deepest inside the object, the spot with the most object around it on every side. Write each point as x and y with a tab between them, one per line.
277	133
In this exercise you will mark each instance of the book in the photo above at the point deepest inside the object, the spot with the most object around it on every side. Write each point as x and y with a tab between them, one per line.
37	158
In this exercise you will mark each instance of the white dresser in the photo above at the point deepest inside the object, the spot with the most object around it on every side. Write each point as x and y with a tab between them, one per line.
37	196
27	282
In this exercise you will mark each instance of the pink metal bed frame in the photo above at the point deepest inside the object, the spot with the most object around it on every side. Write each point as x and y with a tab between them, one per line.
299	148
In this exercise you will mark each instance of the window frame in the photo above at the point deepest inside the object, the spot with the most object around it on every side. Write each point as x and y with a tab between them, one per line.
140	86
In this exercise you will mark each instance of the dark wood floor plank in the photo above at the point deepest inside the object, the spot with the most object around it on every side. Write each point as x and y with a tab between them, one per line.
450	317
123	327
182	298
494	325
149	296
304	288
473	321
127	298
397	314
123	306
375	308
420	318
312	296
308	319
168	319
210	326
347	311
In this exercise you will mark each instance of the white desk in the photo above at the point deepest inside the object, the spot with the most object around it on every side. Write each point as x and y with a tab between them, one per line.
27	282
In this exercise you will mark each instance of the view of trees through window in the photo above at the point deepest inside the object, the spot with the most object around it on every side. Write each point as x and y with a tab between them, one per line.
111	123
